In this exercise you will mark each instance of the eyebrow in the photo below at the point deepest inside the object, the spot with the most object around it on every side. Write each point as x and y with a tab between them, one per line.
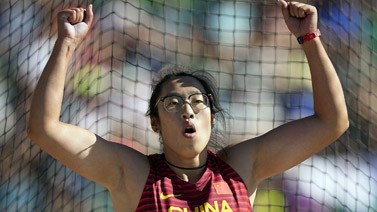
178	94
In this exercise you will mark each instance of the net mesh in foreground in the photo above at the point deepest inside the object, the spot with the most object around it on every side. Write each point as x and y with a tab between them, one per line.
263	81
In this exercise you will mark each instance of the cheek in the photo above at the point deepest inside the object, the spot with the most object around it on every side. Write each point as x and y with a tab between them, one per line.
168	120
206	120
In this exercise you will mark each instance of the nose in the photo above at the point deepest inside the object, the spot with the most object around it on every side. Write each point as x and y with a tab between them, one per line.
187	111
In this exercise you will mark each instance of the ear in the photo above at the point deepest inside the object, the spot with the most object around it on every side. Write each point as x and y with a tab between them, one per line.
213	120
155	124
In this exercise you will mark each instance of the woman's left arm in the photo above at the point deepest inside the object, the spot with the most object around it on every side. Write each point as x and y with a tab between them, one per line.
290	144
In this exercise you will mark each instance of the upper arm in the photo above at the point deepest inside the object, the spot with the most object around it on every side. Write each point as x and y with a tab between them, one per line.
88	154
281	148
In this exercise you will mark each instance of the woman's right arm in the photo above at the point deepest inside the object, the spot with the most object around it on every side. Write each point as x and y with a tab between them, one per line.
77	148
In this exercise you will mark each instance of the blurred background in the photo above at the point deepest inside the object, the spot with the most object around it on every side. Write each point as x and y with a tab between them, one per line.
263	81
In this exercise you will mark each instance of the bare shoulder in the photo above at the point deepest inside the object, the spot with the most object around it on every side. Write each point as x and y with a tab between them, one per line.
241	158
127	189
134	165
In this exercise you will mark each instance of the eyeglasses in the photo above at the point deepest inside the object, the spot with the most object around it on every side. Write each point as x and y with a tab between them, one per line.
197	101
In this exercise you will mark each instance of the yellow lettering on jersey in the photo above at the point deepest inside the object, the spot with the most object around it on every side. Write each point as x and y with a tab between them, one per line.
173	208
200	208
208	207
225	207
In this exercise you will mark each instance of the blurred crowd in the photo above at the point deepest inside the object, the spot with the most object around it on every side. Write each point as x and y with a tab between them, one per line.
263	82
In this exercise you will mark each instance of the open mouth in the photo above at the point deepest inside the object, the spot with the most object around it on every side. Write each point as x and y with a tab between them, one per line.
189	130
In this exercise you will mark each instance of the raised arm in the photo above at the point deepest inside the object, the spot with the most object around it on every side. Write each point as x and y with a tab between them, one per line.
77	148
291	143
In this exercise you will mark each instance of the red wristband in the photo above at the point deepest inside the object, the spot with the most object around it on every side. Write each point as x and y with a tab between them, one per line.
308	37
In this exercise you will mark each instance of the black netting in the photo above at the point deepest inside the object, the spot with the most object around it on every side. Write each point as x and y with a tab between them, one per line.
263	82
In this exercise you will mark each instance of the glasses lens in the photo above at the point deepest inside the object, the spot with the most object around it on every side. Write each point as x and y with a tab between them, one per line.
173	103
198	101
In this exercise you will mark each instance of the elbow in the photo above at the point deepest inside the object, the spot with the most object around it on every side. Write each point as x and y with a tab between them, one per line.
342	128
345	125
344	120
334	124
32	131
341	124
36	131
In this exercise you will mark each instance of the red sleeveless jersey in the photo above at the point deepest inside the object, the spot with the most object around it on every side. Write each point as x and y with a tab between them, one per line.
219	189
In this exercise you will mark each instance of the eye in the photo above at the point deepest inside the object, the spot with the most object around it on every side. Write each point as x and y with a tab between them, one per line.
197	99
172	102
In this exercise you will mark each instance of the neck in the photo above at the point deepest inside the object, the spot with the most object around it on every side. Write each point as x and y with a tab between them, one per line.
186	168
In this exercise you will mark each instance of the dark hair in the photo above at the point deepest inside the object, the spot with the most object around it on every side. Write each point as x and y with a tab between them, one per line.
206	79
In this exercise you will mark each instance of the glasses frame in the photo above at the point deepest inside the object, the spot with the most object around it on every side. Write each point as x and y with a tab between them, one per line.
205	95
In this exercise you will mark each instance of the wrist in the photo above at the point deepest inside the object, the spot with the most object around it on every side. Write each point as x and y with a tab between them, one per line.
63	50
309	36
66	41
65	45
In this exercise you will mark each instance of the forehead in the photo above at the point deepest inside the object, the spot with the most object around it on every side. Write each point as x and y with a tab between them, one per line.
182	85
